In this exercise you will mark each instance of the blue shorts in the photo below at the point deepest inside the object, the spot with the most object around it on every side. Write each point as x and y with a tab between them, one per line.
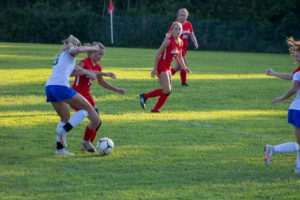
294	117
57	93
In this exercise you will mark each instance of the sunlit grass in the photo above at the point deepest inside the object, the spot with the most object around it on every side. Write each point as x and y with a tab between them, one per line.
21	100
3	56
35	117
207	143
23	119
19	76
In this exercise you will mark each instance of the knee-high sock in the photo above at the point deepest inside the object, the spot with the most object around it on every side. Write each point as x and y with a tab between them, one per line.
78	117
183	76
286	147
75	119
173	71
154	93
161	101
59	126
88	133
92	138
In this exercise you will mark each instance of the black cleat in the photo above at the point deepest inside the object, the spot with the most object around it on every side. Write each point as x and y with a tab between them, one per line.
143	100
184	85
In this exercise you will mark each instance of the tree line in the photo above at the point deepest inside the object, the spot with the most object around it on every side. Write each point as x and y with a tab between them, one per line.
236	25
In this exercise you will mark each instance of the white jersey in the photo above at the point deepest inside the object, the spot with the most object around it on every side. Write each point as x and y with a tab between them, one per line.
62	69
295	105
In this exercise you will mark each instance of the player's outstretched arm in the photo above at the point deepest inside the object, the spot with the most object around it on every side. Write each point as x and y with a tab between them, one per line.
182	63
289	93
80	71
109	74
270	72
75	51
109	86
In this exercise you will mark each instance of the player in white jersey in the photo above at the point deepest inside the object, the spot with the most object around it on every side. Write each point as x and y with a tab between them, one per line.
60	94
294	109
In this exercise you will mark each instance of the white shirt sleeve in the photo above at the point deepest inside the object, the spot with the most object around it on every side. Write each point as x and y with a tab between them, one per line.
296	76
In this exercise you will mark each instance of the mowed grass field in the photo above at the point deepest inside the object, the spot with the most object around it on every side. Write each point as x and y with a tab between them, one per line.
207	142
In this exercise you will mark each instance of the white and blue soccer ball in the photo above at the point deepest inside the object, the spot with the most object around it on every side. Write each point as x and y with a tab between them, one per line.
105	146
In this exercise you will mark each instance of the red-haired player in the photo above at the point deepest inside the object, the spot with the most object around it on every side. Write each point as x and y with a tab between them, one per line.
294	108
82	85
187	31
170	48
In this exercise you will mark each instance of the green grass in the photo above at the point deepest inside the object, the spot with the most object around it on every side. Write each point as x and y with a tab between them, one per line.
206	144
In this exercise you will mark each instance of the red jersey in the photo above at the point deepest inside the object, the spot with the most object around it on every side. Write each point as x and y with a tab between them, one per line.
172	51
187	29
83	84
297	70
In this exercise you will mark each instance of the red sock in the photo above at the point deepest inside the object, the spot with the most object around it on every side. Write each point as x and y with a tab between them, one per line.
161	101
93	136
153	93
183	76
173	71
88	133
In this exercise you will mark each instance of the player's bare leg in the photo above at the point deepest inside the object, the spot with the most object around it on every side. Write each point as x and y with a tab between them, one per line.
165	79
297	136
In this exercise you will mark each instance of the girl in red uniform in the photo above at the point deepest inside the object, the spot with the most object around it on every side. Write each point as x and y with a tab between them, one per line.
82	85
170	48
187	31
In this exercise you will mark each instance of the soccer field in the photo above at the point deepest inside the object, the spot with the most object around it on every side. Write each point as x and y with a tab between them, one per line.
207	142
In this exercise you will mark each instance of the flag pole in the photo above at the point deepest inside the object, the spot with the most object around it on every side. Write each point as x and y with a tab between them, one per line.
111	29
110	11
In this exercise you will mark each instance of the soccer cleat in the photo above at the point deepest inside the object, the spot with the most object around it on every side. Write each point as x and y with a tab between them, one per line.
87	145
63	152
153	111
297	171
143	100
62	134
184	85
269	149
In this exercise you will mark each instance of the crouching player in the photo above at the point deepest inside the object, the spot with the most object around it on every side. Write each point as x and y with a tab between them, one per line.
82	85
59	93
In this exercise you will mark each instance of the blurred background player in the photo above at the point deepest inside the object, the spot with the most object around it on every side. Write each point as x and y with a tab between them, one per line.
170	48
60	94
82	85
294	109
187	31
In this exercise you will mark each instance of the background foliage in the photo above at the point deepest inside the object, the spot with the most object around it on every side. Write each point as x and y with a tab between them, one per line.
234	25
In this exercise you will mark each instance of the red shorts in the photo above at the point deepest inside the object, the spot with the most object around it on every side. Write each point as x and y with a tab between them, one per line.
163	69
90	99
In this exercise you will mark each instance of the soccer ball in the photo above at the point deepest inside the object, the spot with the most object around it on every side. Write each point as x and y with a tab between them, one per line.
105	146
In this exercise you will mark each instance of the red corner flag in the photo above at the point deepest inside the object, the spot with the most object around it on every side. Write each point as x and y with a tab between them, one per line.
111	7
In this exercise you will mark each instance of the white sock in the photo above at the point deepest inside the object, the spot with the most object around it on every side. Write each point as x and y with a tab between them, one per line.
78	117
286	147
298	160
59	126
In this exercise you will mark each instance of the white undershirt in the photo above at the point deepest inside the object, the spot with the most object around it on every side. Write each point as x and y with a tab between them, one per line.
296	102
62	69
